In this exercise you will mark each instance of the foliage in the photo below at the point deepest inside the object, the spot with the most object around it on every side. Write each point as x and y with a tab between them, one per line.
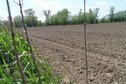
120	16
103	20
114	17
30	19
4	23
111	15
64	17
17	21
8	66
61	18
77	19
96	11
92	16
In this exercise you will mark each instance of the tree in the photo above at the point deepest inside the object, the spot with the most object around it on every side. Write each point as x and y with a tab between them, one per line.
29	12
47	13
96	14
111	15
120	16
4	23
80	17
61	18
17	21
103	20
91	18
31	19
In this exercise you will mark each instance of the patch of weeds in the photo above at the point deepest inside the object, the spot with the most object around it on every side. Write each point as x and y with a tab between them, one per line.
9	73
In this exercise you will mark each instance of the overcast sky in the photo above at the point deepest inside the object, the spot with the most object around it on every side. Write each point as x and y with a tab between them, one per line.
55	5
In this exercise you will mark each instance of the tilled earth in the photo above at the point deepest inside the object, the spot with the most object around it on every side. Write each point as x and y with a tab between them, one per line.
106	45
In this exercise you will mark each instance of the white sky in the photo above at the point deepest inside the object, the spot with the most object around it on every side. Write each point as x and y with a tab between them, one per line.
55	5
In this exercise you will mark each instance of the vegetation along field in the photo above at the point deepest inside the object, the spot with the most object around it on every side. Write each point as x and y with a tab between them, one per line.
106	44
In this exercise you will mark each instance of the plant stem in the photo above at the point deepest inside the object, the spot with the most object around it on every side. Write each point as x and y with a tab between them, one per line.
85	42
31	50
14	45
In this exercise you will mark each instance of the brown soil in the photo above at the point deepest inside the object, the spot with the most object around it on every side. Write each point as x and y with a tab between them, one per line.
106	45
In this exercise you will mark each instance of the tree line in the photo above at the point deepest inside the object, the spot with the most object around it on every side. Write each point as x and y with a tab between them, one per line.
30	19
64	17
114	17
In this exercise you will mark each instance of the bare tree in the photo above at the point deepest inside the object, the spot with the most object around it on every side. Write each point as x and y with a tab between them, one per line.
29	12
47	13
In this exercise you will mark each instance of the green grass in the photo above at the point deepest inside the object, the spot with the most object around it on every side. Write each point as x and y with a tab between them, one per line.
9	73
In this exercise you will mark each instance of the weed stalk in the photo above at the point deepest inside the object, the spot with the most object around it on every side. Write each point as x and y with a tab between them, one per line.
31	50
14	45
85	42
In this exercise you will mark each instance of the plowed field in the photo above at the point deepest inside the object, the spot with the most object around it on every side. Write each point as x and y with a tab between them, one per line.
106	45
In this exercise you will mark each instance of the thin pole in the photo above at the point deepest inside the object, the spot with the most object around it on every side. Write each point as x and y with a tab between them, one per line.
85	42
31	50
14	44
